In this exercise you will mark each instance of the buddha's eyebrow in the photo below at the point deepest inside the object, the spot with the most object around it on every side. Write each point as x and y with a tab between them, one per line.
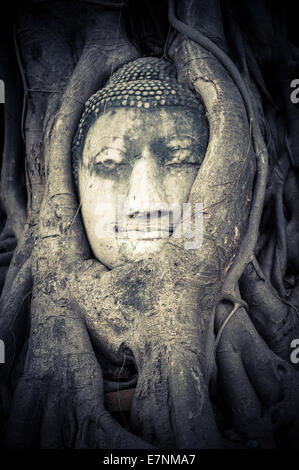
111	139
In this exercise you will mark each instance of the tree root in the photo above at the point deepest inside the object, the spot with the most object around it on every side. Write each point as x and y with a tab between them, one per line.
276	320
261	395
77	371
230	369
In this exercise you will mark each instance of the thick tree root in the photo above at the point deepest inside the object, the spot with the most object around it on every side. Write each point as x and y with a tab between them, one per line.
261	395
276	320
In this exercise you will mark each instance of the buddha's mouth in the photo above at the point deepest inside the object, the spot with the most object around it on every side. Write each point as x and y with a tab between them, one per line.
144	231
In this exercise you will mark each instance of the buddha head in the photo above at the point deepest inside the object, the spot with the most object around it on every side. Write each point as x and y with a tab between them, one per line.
136	153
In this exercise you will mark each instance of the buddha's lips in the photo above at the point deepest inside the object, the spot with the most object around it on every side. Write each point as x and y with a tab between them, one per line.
144	232
144	228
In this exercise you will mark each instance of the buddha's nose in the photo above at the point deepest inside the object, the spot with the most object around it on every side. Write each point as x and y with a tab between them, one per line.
145	193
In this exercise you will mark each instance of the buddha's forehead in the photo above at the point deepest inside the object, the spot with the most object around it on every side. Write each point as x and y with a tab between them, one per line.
142	127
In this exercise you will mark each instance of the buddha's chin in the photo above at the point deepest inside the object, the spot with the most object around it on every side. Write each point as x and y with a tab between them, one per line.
119	252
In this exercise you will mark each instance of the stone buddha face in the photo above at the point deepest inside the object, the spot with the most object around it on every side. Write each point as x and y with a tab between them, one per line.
137	164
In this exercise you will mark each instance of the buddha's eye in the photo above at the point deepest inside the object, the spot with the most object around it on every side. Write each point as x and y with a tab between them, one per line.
109	159
108	164
183	157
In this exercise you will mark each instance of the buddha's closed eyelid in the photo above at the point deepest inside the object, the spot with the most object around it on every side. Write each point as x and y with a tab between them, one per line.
183	156
111	154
